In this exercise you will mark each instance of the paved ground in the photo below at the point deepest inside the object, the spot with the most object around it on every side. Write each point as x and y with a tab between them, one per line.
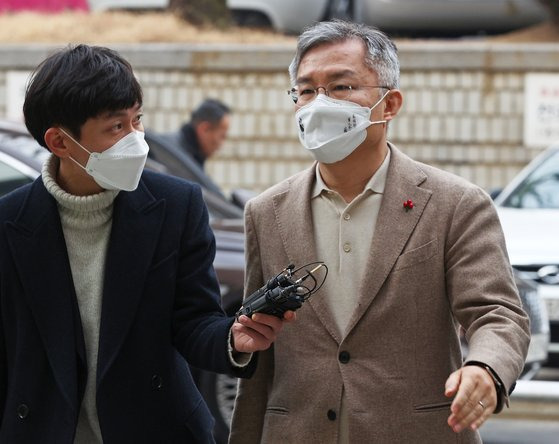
514	427
508	431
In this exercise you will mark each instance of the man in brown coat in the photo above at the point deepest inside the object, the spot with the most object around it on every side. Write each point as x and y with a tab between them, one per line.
413	254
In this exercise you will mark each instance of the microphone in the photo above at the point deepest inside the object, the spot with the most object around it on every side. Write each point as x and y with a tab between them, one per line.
282	293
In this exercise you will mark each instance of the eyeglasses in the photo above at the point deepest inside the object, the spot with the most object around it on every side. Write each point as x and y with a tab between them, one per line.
336	90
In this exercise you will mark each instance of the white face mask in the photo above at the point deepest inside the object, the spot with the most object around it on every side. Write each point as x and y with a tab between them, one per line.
332	129
120	166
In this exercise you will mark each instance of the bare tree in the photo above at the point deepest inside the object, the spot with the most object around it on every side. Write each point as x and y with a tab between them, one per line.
553	8
202	12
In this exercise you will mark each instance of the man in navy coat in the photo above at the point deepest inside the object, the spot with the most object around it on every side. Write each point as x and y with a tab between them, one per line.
107	288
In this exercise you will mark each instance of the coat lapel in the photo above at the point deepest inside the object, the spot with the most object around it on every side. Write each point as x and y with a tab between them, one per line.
38	247
294	221
137	221
293	215
394	226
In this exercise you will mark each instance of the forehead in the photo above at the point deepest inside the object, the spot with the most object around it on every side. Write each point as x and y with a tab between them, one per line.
331	59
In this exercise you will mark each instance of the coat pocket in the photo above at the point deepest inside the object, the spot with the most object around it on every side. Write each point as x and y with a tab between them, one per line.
163	269
417	255
433	407
278	426
277	410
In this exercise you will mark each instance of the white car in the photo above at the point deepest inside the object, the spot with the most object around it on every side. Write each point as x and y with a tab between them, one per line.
282	15
529	212
450	16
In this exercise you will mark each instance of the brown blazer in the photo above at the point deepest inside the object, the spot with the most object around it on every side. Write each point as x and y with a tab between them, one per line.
433	268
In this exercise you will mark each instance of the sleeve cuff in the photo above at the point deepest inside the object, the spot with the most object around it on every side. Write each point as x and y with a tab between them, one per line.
237	359
502	393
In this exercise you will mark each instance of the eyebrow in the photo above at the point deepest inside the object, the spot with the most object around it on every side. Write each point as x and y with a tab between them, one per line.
334	76
119	113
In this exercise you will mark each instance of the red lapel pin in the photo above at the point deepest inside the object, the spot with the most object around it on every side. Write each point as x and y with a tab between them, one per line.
408	204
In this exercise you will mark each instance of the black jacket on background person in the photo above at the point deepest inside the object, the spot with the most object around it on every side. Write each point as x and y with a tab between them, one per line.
160	307
189	142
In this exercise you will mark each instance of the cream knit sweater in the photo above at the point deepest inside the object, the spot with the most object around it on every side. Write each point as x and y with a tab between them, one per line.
86	223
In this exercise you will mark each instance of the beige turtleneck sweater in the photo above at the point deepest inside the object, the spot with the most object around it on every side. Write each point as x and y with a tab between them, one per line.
86	223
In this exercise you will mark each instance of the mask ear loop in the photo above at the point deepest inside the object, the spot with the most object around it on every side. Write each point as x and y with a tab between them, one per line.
82	147
375	105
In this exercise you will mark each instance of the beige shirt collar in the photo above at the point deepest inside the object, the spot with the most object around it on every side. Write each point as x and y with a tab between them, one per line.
376	183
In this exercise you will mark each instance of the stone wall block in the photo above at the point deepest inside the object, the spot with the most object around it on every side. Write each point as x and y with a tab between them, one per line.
442	102
473	99
466	130
451	80
458	103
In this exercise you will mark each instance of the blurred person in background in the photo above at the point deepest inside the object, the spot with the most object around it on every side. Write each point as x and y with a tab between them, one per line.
413	252
107	288
204	135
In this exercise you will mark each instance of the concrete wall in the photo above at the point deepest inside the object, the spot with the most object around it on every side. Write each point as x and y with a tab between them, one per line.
463	110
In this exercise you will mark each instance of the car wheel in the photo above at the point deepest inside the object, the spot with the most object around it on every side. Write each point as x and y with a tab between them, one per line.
251	19
219	392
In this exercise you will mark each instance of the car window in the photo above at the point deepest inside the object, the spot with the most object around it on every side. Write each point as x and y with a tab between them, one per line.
172	160
540	189
165	150
11	178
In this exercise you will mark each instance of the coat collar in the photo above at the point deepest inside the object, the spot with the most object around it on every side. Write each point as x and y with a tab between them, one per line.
37	244
293	214
394	227
38	247
137	222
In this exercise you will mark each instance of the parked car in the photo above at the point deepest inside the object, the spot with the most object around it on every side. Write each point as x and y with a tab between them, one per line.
534	305
393	16
529	211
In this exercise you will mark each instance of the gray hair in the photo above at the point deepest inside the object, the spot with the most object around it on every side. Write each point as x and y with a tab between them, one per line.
382	55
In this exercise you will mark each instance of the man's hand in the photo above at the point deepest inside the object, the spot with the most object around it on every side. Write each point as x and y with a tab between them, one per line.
475	400
257	333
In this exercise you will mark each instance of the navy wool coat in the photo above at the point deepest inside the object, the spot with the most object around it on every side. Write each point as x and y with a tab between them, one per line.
160	310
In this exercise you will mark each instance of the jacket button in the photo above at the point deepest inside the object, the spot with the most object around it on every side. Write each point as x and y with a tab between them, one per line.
343	357
22	411
156	382
331	415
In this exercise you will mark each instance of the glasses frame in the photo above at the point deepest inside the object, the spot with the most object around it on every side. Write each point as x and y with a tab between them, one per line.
293	92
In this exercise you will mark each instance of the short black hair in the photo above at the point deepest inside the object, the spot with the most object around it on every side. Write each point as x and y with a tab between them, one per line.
75	84
210	110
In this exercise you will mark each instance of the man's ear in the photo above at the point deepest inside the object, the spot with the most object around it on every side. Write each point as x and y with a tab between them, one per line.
57	142
393	101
